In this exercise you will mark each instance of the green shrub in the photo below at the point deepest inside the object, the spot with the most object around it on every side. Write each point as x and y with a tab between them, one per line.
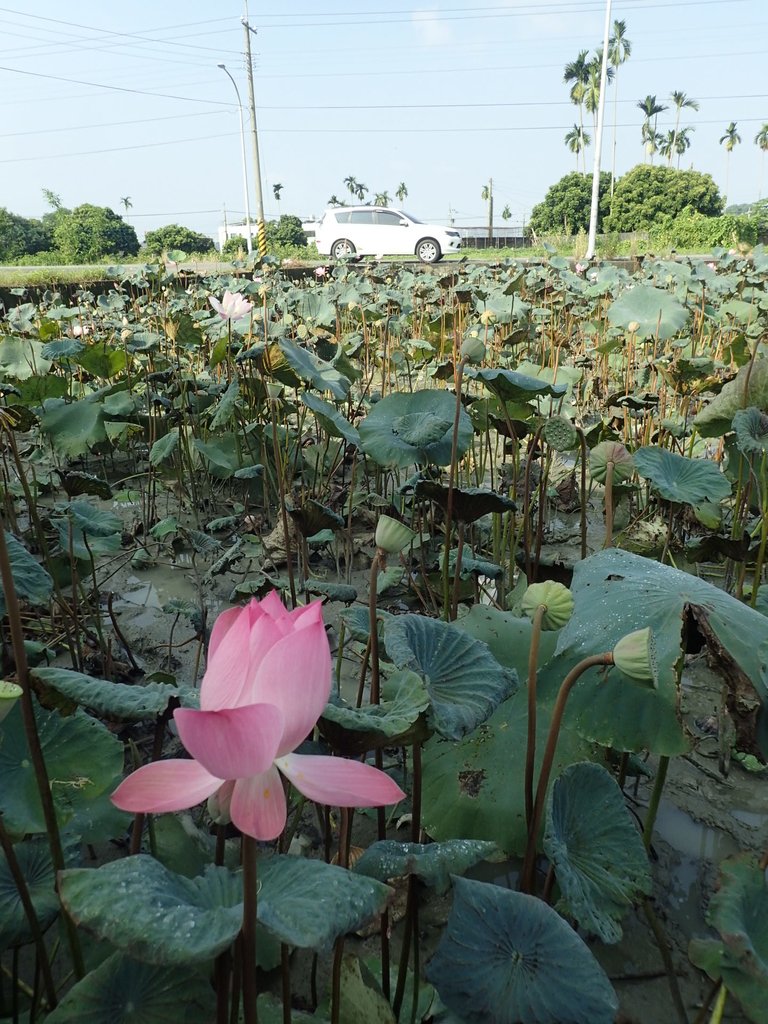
646	194
566	206
694	232
175	236
21	235
87	233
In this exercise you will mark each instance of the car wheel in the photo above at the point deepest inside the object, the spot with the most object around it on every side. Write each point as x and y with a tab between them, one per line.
428	251
342	248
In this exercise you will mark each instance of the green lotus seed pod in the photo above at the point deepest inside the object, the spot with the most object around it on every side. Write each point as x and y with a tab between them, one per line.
554	597
610	451
472	349
635	656
560	434
9	694
392	536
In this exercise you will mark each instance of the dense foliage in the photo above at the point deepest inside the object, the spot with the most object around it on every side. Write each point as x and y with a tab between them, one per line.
175	236
88	233
646	193
692	230
565	208
20	235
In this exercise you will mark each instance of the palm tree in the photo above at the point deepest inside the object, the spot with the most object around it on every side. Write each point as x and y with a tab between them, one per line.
681	101
381	199
682	142
277	188
667	145
360	190
52	198
577	72
335	201
506	213
401	191
592	90
126	201
761	141
577	141
731	139
619	50
351	182
651	108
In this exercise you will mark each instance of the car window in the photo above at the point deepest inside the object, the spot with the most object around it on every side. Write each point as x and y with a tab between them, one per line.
361	217
388	217
341	216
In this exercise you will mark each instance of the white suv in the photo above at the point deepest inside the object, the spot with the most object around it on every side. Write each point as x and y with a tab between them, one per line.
381	231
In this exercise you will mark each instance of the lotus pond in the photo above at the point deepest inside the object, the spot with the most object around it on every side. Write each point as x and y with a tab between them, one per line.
386	645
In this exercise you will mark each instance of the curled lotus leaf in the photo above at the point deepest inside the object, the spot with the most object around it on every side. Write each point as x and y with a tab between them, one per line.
610	452
751	426
676	478
416	427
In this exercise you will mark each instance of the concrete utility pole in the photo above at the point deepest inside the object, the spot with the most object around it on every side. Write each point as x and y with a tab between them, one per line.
261	231
599	137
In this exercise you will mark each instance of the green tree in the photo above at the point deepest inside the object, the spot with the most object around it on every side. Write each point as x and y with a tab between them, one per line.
126	203
566	206
52	198
646	193
592	91
619	51
577	141
286	231
401	192
681	102
730	140
487	196
89	233
761	141
651	108
381	199
335	201
683	142
22	236
175	236
576	73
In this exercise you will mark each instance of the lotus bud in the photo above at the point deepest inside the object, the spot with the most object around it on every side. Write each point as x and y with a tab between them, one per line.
472	349
560	434
392	536
555	598
218	804
126	336
610	451
635	656
487	317
274	389
9	694
633	326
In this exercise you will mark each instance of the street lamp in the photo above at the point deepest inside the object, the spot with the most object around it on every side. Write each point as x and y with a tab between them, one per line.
248	237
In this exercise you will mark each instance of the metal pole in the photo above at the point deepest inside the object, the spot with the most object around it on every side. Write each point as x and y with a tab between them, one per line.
599	137
248	236
261	231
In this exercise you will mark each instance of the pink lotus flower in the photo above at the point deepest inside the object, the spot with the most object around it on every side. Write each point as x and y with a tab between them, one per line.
233	306
320	271
267	682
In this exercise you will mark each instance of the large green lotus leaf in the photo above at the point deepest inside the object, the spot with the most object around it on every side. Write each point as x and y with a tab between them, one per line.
510	386
72	538
433	863
751	427
309	904
414	427
464	681
102	361
315	371
318	306
616	592
596	849
154	914
330	419
748	388
658	314
687	481
739	911
473	789
507	957
22	359
469	503
396	721
85	764
73	427
31	580
129	703
34	860
508	637
96	522
164	447
125	991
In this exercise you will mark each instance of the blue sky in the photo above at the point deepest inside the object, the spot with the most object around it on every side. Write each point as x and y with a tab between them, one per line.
100	101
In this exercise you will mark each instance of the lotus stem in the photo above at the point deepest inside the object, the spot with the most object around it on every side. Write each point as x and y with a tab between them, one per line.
669	967
717	1012
29	911
653	806
449	499
248	930
530	752
583	514
457	571
283	509
410	926
608	506
526	880
701	1016
33	739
